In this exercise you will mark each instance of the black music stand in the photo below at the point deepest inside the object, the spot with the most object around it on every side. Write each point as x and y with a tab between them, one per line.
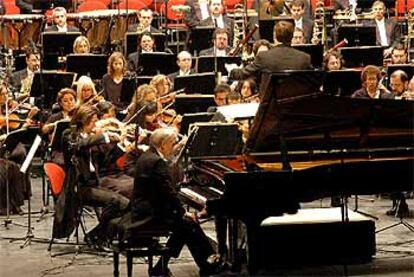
131	42
315	51
358	35
207	63
92	65
47	85
141	80
127	91
214	140
193	103
151	63
342	82
58	43
201	83
190	118
56	142
362	56
201	37
266	26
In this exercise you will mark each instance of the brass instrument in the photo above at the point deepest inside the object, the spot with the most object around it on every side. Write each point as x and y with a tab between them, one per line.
319	26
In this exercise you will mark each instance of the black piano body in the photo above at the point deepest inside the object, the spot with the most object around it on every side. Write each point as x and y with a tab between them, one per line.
305	145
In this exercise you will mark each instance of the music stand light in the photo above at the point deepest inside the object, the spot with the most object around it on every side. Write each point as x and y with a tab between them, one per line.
201	83
342	82
193	103
131	42
362	56
207	63
201	38
52	82
315	51
92	65
358	35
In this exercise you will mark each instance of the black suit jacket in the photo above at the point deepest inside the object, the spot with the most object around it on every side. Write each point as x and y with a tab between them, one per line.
134	28
172	76
228	23
17	78
279	58
210	51
154	194
54	28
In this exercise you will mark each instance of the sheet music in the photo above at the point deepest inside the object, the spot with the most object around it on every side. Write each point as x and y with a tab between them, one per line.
236	111
31	154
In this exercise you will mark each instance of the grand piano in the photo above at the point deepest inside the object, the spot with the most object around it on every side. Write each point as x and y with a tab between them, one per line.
304	145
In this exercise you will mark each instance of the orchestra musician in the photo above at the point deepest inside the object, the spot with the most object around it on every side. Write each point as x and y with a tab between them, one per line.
297	9
398	84
146	45
144	93
220	44
218	18
82	171
145	17
221	91
298	36
112	80
409	94
22	80
184	62
59	16
399	54
86	92
155	199
81	45
371	86
247	89
332	61
163	86
261	45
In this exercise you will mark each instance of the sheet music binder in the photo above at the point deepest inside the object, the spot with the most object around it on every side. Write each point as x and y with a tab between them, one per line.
206	63
190	118
342	82
56	141
362	56
201	37
152	65
358	35
315	51
128	90
58	43
92	65
201	83
266	26
193	103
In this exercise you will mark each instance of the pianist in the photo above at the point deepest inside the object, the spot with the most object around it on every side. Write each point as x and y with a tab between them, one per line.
155	197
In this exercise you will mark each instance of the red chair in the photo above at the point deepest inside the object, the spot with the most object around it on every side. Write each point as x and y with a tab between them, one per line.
231	3
134	4
120	162
107	3
56	176
11	8
173	15
92	5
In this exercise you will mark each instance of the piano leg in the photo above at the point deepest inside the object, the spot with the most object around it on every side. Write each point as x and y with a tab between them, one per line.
221	232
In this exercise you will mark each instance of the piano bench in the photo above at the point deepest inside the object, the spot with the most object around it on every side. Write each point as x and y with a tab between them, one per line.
141	244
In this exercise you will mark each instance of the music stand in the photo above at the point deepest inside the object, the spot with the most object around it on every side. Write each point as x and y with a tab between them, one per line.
190	118
193	103
214	140
358	35
201	37
131	42
207	63
56	141
362	56
342	82
58	43
52	82
266	27
151	64
127	90
315	51
201	83
92	65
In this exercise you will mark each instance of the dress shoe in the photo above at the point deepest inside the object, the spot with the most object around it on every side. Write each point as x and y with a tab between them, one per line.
392	211
158	272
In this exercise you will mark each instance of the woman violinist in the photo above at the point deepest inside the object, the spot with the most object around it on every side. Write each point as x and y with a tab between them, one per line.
86	92
144	92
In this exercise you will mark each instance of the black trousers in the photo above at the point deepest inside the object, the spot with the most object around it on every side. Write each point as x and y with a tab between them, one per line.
187	232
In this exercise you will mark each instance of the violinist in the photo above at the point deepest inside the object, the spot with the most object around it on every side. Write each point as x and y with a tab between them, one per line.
86	92
163	86
148	118
145	93
112	81
66	99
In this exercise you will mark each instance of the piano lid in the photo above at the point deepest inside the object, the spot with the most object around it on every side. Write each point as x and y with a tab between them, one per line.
293	106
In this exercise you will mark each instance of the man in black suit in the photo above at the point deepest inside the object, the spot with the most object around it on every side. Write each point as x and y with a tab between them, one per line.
298	10
78	143
220	44
219	19
145	18
59	22
279	58
184	62
33	65
388	30
146	45
156	200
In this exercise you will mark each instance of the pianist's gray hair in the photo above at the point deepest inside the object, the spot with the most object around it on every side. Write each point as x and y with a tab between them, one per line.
161	135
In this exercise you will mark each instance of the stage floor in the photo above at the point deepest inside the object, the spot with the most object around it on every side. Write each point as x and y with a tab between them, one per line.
395	250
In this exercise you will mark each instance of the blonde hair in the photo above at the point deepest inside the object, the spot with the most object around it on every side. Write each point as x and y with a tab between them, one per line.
78	40
142	92
158	79
84	81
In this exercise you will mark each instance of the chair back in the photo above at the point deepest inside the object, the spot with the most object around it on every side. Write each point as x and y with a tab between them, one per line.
56	176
